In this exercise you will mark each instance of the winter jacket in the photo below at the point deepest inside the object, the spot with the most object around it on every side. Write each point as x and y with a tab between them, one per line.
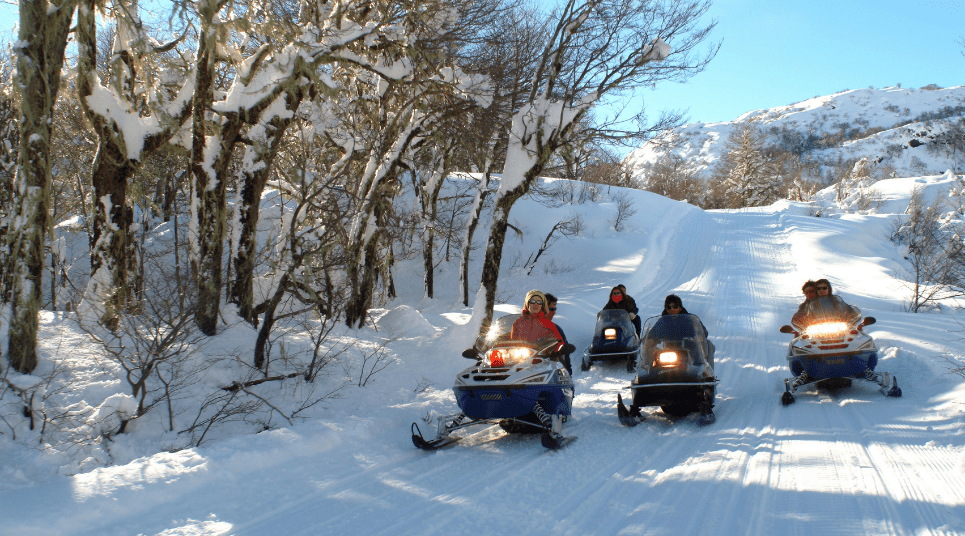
627	304
825	308
530	327
797	319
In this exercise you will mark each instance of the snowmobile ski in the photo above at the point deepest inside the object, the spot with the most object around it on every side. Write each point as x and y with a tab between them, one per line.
430	444
628	416
555	441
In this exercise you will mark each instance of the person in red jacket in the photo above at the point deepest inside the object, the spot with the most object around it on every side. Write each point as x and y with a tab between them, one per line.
534	324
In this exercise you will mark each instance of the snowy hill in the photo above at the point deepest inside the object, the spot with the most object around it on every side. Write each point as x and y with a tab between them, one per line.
896	127
843	462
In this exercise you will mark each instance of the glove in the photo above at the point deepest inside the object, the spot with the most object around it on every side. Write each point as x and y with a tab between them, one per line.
632	316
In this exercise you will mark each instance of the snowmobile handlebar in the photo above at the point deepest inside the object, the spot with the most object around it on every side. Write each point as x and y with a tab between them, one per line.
540	346
868	320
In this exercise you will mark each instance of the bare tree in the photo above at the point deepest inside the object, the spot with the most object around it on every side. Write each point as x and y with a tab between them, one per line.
129	127
155	348
625	209
672	177
267	82
572	226
595	50
936	255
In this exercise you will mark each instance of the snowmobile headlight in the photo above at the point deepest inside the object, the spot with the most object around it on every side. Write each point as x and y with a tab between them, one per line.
518	355
825	328
667	358
610	334
504	357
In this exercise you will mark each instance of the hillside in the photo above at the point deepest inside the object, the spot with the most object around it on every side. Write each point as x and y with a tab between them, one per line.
841	462
902	129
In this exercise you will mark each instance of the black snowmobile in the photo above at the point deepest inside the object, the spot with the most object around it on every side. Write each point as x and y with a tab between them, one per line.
614	339
675	371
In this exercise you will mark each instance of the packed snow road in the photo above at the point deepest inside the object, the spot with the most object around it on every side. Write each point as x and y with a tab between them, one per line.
844	462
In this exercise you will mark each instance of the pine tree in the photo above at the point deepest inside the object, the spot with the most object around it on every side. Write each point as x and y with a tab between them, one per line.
748	178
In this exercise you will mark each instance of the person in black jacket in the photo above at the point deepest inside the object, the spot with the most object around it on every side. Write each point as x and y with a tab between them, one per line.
619	300
672	305
810	292
551	301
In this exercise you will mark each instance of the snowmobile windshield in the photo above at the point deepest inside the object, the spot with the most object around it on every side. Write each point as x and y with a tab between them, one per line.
613	318
830	309
498	331
684	331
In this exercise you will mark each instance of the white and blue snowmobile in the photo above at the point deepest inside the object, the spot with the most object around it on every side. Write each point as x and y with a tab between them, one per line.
614	339
675	371
831	351
521	386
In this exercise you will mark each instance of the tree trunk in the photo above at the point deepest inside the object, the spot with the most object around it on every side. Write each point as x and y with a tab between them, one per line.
477	205
269	321
364	283
110	249
40	57
210	197
208	188
494	247
375	194
241	290
429	211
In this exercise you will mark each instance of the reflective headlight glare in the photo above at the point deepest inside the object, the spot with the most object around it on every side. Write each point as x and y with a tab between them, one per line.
519	354
508	356
667	358
825	328
610	333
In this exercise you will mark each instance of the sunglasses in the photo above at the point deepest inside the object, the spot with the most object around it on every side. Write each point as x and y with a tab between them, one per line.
824	288
552	308
536	302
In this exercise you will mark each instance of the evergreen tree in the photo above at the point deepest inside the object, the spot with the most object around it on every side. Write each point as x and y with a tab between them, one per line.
746	176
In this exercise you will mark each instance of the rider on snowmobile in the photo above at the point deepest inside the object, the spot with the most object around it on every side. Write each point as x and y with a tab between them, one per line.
533	324
825	307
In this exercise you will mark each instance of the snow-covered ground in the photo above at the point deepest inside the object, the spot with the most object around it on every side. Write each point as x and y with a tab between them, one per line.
845	462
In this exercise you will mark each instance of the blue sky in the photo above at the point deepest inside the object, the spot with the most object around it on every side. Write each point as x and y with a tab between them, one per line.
781	52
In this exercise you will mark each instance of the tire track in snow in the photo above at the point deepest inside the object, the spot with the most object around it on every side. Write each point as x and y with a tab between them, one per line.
685	455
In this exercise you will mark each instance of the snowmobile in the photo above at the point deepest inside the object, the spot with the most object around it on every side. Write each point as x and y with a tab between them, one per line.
521	386
614	339
675	371
831	351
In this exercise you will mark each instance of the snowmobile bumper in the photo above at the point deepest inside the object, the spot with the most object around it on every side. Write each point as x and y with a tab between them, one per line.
512	401
833	365
669	393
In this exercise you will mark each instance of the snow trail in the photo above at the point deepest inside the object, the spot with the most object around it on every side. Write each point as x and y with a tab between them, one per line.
844	462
